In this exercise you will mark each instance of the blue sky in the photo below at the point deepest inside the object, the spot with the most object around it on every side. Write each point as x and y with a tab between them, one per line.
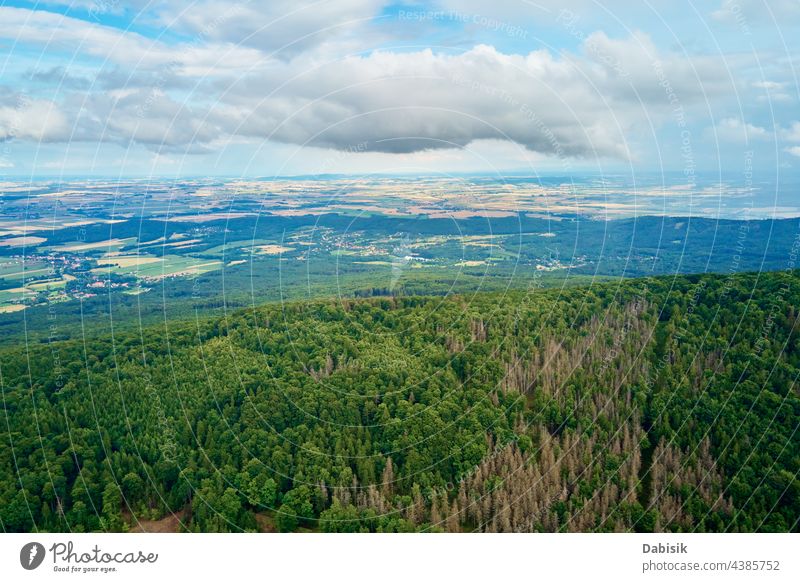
180	88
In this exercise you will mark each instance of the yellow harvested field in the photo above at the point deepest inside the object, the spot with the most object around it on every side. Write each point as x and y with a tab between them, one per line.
12	308
182	243
31	226
272	249
47	285
77	247
207	217
193	270
22	241
152	242
129	261
479	244
177	243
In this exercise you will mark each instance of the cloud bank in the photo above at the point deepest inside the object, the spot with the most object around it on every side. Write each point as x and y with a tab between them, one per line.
195	77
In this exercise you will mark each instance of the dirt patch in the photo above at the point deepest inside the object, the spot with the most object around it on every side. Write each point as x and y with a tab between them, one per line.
172	523
266	523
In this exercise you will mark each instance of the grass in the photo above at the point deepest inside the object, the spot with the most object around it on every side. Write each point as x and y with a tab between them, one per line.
113	244
227	248
159	267
11	295
47	285
22	241
128	261
15	270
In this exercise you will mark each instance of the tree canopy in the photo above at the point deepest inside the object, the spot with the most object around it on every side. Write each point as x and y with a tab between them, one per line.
658	404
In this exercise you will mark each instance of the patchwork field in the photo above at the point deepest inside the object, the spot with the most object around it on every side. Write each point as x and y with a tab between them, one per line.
150	267
272	249
234	246
22	241
50	284
7	296
113	244
14	269
128	260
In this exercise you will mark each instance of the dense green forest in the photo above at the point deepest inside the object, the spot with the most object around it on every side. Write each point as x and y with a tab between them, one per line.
655	404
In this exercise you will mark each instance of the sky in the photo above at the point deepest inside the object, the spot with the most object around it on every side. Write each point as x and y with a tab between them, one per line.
288	87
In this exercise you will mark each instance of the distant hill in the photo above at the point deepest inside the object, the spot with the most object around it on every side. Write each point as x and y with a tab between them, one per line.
354	255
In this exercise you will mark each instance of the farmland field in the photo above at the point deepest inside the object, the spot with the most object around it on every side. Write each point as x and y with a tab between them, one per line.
14	269
149	267
105	245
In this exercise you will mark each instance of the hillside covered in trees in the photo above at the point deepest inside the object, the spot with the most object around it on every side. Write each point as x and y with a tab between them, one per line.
661	404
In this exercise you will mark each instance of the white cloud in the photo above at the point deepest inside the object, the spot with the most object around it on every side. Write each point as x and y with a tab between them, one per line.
221	85
635	69
56	33
402	102
579	105
733	129
745	13
151	118
24	118
792	133
286	27
772	91
769	85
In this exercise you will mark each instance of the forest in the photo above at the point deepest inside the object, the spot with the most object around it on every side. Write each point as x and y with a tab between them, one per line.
653	404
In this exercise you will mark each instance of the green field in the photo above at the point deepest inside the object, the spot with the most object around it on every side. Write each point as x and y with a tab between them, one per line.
15	269
232	247
10	295
109	245
166	266
47	285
